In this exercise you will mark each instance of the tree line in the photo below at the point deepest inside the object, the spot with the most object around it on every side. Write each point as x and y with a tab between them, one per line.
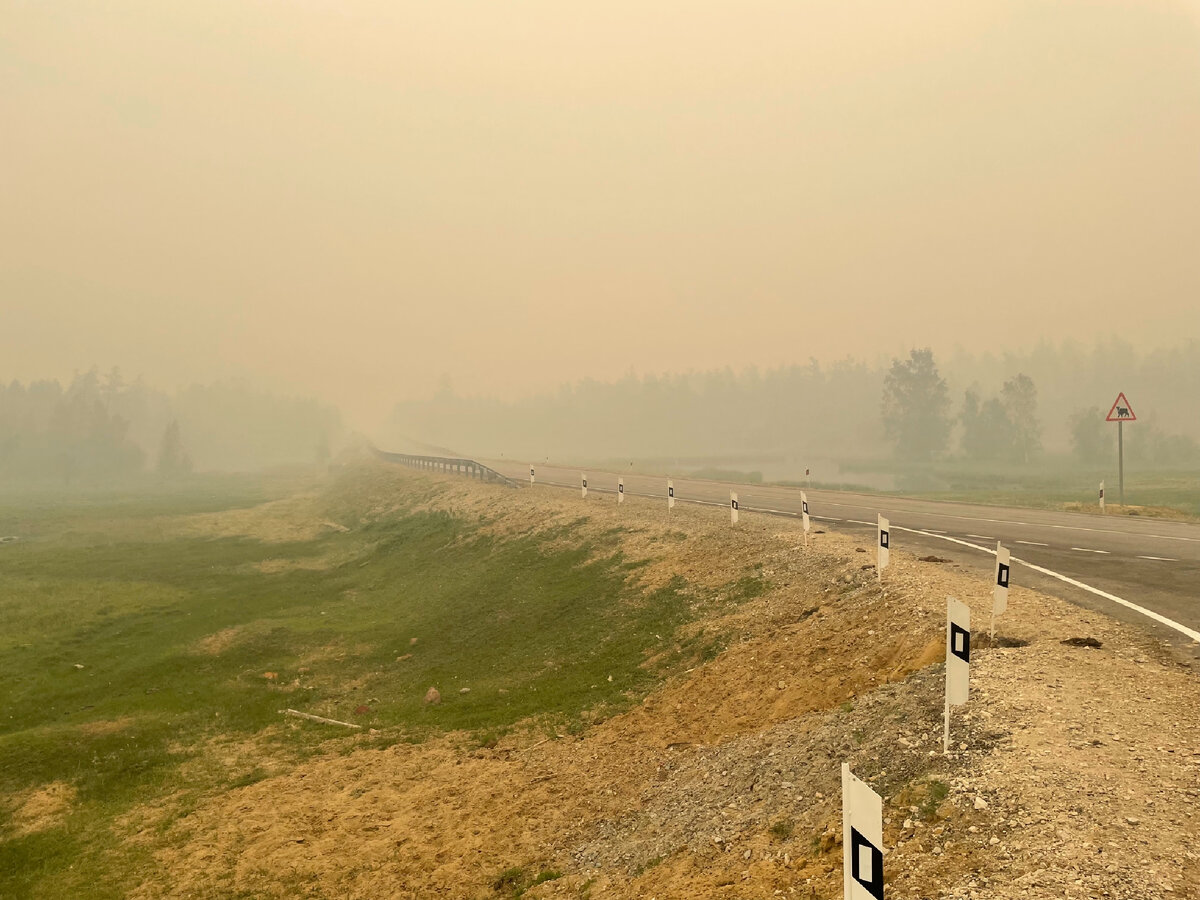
918	420
1009	409
98	427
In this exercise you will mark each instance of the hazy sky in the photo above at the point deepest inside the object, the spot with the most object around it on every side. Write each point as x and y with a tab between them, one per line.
349	198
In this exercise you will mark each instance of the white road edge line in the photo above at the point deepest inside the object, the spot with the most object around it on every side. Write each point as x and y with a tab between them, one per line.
1159	558
1088	550
1034	543
846	505
1148	613
982	537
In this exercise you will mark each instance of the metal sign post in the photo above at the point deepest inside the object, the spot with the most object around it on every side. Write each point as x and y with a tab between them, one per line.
1121	463
1121	413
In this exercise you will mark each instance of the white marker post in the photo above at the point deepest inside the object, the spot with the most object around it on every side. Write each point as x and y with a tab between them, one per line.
958	660
531	479
583	485
1102	498
733	508
670	495
862	839
884	546
620	491
804	515
1000	589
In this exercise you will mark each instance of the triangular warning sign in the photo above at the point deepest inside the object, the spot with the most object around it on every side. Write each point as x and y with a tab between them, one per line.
1121	410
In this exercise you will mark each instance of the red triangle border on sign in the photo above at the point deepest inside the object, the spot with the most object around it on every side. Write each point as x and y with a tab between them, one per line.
1121	404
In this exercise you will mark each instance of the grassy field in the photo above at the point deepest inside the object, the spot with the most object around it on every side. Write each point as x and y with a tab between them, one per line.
131	640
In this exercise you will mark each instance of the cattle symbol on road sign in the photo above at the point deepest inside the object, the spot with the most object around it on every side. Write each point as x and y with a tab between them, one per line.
1121	410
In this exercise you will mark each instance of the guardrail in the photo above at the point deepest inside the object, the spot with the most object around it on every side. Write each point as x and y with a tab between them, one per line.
449	464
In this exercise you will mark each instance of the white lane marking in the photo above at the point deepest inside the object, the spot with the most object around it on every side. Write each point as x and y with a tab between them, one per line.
1159	558
774	512
1088	550
861	522
1066	579
1165	537
982	537
1148	613
935	531
1033	543
844	505
824	518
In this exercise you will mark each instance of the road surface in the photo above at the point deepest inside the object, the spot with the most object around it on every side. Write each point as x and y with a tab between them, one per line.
1151	564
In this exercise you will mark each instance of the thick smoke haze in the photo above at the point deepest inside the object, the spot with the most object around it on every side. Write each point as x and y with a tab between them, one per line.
354	200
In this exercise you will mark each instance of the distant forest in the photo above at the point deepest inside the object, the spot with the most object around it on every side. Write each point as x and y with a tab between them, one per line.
101	427
1012	408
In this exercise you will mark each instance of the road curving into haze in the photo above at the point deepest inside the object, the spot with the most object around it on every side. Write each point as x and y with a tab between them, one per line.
1141	570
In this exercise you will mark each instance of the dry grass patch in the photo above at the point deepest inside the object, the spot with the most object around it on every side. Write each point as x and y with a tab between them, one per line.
41	808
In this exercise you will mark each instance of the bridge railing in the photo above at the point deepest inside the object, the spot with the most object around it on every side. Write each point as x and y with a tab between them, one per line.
449	464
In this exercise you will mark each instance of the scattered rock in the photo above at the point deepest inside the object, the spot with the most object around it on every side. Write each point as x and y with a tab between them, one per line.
406	656
464	690
1082	642
980	803
932	558
361	709
432	697
412	642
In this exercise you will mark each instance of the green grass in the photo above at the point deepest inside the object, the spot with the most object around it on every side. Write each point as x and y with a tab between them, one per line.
1049	483
782	829
533	633
936	792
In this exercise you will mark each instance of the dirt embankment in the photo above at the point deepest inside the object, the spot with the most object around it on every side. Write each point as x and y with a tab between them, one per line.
1075	771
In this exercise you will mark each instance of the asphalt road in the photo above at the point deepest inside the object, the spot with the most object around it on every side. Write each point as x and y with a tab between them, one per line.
1150	563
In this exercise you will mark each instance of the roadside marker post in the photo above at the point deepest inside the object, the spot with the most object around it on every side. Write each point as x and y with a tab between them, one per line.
1121	413
583	485
531	478
884	546
1000	589
958	660
804	515
620	491
862	839
1102	497
670	495
733	508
